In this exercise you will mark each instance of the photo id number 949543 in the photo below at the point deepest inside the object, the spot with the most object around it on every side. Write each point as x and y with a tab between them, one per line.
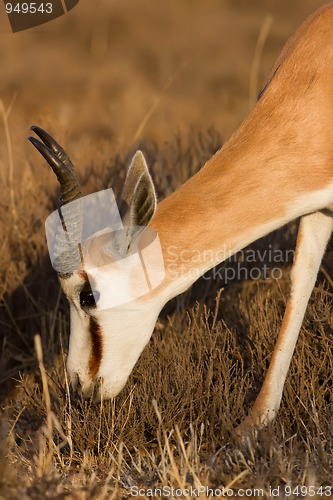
29	8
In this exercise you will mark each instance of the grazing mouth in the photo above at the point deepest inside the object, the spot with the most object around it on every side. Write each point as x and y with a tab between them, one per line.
92	391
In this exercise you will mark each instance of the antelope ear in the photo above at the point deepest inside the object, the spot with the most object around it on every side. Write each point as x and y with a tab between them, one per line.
138	200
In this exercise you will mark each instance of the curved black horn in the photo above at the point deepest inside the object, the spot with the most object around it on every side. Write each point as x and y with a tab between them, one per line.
60	163
66	235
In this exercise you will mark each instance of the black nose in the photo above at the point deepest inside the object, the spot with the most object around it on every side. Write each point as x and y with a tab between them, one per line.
77	386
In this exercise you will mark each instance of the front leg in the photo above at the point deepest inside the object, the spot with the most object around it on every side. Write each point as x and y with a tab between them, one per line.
314	232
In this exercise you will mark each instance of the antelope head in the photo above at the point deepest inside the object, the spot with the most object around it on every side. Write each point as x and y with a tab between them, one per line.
107	331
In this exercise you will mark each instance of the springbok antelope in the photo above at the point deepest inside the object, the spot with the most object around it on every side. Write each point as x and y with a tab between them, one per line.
277	167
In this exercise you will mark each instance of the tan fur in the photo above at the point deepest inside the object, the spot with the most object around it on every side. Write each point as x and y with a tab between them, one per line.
282	151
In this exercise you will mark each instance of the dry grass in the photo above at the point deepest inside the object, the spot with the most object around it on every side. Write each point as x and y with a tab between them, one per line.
173	423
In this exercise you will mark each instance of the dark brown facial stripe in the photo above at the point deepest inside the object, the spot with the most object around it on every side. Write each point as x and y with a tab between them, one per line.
96	347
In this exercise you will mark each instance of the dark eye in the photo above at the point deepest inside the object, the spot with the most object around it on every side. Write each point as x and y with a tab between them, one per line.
87	298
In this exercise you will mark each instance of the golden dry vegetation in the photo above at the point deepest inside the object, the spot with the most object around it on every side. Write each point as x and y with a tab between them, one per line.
175	79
